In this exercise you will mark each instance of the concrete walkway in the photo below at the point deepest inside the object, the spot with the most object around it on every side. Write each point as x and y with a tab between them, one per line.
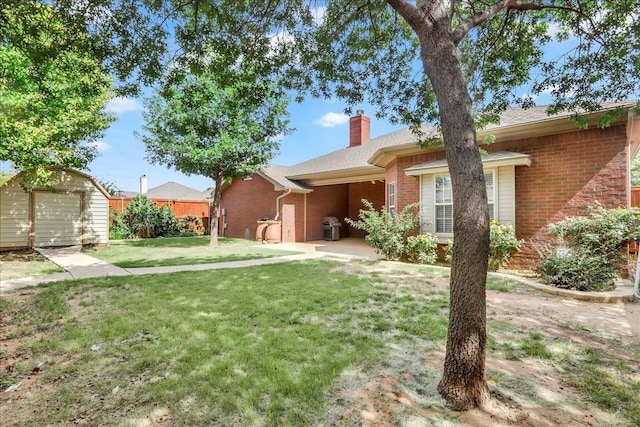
78	265
82	266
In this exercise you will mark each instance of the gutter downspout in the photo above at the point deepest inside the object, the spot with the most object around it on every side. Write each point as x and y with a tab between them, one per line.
285	194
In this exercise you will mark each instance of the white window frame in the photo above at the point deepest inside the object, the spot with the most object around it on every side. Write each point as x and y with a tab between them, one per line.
491	199
391	199
442	203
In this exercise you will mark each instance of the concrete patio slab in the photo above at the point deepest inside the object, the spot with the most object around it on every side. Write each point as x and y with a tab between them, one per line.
350	247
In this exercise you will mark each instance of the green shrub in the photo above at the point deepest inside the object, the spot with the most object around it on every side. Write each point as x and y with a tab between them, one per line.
602	232
117	226
594	245
140	216
165	224
191	225
386	234
502	244
422	249
577	270
143	219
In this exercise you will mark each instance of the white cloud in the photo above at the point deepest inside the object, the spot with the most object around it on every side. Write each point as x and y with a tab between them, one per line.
99	145
318	14
553	29
331	120
550	89
280	41
123	105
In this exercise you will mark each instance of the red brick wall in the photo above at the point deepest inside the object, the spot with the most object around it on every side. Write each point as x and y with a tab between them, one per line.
569	172
330	200
246	202
391	175
375	193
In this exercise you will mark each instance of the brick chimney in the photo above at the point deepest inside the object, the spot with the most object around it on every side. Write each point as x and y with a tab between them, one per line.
359	128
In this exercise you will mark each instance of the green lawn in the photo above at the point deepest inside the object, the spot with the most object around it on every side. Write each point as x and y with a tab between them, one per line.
253	346
294	344
180	251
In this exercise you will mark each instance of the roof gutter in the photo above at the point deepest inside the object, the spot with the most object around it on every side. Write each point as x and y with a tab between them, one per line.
546	126
287	191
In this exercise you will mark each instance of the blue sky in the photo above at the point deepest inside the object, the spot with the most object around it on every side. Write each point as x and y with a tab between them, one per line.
320	127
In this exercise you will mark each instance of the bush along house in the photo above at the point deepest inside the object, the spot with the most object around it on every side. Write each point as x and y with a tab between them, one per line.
538	170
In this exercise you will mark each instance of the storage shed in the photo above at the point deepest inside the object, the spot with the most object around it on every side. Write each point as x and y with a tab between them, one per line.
74	211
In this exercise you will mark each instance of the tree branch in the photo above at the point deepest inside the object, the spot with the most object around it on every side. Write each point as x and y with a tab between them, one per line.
409	12
496	8
477	19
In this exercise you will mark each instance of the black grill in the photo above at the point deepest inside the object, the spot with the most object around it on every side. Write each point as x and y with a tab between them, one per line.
331	227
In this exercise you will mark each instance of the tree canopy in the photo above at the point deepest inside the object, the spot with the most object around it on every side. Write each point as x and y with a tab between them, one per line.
53	91
222	131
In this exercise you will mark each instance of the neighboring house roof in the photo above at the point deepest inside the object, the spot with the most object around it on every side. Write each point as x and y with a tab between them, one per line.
367	161
175	191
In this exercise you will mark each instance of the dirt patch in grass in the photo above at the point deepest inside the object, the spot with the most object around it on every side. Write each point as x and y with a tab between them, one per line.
17	264
551	361
526	390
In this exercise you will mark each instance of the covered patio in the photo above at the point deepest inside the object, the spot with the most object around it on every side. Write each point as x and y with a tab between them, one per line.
350	247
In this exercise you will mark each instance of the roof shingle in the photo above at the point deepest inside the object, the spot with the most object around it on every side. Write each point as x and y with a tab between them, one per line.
356	158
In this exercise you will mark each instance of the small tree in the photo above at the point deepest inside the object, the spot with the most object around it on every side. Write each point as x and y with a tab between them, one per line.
221	127
53	91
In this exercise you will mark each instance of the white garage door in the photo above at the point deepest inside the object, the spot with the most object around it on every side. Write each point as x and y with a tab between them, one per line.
57	218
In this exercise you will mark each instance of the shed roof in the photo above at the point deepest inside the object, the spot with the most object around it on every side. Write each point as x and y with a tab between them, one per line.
67	170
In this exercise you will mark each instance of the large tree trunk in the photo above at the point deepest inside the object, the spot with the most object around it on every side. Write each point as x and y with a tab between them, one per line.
463	384
213	221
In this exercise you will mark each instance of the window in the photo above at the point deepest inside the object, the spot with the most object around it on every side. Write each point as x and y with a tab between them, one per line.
392	199
444	204
444	201
488	181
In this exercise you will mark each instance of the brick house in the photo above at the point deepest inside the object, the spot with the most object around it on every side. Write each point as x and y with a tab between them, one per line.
538	170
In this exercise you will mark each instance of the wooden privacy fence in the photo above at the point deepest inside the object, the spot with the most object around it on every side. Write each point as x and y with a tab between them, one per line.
180	208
